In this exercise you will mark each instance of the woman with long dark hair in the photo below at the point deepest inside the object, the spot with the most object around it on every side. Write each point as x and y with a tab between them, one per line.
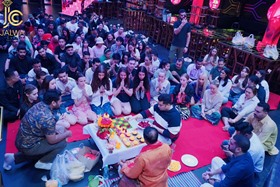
239	84
224	84
102	89
182	95
142	50
211	59
122	91
139	101
124	61
85	48
30	98
66	35
261	74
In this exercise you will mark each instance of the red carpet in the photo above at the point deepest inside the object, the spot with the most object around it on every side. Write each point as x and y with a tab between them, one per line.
201	139
77	134
197	137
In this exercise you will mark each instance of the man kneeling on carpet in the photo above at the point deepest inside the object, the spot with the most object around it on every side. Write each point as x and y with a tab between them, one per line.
167	118
37	137
238	172
148	169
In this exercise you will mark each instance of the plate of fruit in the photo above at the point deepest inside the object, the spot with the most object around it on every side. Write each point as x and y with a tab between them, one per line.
144	124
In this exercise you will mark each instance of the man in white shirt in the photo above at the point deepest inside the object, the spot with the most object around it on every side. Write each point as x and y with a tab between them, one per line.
36	64
194	70
65	85
72	26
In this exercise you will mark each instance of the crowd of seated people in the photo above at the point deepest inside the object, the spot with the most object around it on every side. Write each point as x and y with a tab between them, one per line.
100	70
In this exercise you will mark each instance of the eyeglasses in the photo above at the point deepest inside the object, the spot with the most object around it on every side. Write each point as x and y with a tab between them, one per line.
183	15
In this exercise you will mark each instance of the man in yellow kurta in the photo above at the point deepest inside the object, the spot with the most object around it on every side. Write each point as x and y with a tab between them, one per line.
150	166
264	127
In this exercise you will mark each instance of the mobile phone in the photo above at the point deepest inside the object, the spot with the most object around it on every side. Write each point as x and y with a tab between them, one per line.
224	147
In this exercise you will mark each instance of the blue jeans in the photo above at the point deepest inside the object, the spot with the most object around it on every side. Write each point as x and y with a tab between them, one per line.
233	97
67	100
99	110
213	118
175	53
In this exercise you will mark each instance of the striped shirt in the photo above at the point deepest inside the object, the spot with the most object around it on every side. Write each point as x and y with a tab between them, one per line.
169	121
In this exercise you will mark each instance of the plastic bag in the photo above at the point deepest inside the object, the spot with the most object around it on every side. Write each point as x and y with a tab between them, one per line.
271	52
238	39
75	169
249	41
58	170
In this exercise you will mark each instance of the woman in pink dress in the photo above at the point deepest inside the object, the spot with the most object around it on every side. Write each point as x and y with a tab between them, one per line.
82	96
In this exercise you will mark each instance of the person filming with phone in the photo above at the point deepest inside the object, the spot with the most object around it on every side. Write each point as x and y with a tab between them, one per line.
181	39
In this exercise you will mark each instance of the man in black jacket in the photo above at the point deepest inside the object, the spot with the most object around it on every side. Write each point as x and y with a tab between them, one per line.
11	95
47	60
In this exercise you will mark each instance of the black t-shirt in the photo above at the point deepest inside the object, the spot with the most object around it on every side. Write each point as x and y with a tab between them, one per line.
22	66
58	51
123	97
180	39
49	62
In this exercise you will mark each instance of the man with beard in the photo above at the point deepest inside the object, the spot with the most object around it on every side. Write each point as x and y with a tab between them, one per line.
47	60
71	56
11	95
21	62
182	35
37	138
238	172
65	85
264	127
60	50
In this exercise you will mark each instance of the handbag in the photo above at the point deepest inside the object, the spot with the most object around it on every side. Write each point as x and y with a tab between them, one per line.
181	98
184	111
249	41
238	39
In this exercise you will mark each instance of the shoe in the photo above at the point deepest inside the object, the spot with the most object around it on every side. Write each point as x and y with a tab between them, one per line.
273	152
8	160
42	165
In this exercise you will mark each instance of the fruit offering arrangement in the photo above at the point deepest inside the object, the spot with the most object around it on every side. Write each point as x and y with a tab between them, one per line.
131	139
144	124
121	122
105	121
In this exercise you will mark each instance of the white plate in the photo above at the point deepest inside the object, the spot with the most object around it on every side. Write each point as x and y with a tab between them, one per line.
174	170
189	160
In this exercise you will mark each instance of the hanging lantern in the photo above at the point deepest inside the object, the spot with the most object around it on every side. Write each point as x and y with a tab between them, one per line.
214	4
175	2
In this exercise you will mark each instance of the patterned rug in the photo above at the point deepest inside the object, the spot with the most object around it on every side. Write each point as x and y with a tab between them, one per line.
181	180
184	180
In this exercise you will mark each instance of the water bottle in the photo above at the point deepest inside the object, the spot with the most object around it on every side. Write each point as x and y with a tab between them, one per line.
106	172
